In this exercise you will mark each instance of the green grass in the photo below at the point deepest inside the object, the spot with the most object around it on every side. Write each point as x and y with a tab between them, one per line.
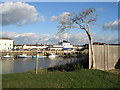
83	78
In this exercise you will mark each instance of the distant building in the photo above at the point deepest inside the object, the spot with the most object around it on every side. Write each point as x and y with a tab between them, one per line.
77	47
55	47
18	47
35	46
66	45
6	44
62	45
32	46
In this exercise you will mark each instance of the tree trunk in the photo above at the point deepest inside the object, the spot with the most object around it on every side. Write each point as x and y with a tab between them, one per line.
91	49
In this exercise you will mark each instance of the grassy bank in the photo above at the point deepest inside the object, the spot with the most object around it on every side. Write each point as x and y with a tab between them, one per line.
82	78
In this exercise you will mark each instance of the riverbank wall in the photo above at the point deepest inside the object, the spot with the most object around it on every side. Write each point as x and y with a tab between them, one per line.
32	53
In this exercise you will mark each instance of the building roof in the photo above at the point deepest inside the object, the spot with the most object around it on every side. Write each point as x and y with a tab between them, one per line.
5	38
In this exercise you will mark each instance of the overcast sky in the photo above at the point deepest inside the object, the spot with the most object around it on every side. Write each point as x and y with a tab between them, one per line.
35	22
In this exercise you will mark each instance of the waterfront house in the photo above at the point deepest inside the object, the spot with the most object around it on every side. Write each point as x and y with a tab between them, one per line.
6	44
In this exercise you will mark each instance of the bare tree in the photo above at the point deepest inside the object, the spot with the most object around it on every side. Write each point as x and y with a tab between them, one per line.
82	20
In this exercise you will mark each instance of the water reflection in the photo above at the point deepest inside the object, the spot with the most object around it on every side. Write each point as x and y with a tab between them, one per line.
10	65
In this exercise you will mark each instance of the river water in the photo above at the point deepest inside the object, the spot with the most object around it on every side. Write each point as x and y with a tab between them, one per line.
18	65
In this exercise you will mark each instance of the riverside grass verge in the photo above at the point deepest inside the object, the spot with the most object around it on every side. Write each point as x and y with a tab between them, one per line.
82	78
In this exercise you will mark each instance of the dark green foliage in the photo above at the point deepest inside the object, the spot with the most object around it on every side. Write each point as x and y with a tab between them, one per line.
83	63
67	67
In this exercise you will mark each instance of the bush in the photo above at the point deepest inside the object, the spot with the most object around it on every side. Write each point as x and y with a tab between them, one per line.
69	66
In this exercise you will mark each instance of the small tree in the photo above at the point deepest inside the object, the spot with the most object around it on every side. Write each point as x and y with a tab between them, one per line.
82	20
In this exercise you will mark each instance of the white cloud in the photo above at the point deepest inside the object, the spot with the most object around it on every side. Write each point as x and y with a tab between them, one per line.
53	18
106	39
18	13
61	17
65	14
112	25
25	38
33	38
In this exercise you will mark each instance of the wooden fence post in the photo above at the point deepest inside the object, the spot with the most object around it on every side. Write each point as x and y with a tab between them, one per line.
108	57
36	68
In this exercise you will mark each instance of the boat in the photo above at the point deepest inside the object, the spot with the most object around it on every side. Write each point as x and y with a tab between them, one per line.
39	56
52	55
24	56
7	56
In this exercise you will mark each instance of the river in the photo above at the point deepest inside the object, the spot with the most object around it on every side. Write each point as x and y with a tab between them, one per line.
18	65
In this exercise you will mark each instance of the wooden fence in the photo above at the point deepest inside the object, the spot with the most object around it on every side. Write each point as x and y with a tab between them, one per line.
107	57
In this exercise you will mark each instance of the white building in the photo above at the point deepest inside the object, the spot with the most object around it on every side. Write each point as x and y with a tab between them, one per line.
6	44
31	46
34	46
66	44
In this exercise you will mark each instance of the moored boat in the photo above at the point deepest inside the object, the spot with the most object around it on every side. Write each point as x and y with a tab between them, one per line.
7	56
52	55
24	56
39	56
